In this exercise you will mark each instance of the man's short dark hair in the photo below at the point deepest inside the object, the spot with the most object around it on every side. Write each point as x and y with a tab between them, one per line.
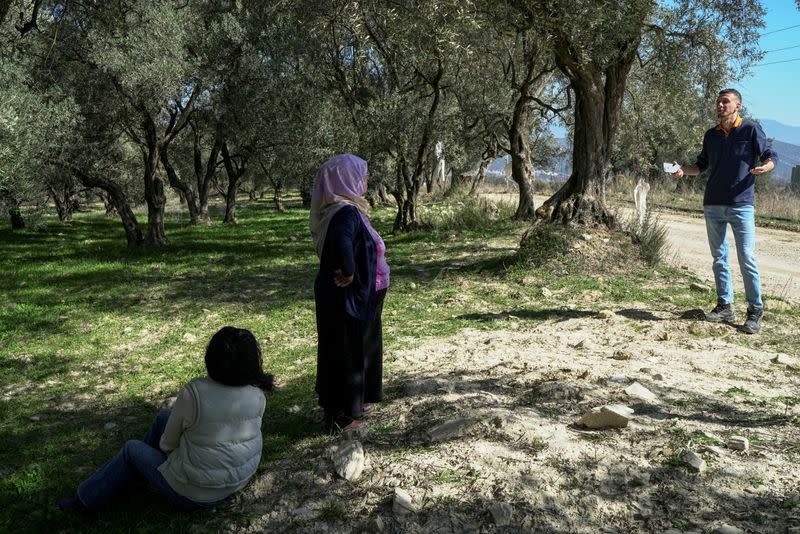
733	92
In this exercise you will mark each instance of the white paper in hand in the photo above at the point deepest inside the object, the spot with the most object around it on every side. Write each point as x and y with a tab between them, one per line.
671	167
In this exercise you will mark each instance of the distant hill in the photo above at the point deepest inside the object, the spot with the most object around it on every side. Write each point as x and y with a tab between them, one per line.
781	132
788	157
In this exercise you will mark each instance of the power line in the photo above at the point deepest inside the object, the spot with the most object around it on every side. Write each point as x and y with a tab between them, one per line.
780	49
780	30
776	62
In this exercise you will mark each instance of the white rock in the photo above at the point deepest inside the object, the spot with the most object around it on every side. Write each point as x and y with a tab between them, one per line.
35	418
189	337
727	529
501	513
110	426
401	503
610	416
412	285
293	409
639	392
586	237
700	287
693	461
784	360
450	429
605	314
738	443
619	379
348	460
546	293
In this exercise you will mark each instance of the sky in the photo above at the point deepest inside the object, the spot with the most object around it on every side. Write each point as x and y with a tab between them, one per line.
773	91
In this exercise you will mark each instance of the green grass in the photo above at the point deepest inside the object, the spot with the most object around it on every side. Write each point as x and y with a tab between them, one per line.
93	332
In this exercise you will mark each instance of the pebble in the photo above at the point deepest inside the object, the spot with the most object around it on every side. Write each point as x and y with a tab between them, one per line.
658	376
450	429
412	285
110	426
528	281
639	392
619	379
738	443
586	237
665	336
784	360
622	355
694	461
546	293
700	287
189	337
401	503
35	418
610	416
501	513
605	314
348	460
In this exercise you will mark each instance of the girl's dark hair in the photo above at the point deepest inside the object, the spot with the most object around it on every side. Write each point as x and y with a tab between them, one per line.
233	358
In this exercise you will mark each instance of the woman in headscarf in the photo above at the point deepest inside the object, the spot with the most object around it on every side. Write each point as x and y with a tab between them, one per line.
349	291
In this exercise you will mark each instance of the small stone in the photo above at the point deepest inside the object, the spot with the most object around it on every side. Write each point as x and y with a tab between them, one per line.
605	314
501	513
293	238
189	338
450	429
658	376
528	281
412	285
784	360
586	237
664	336
727	529
35	418
712	449
693	461
639	392
401	503
293	409
696	286
546	293
619	379
127	330
348	460
610	416
110	426
206	311
423	387
738	443
622	355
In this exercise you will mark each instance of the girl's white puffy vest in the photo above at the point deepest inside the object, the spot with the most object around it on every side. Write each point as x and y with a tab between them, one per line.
219	453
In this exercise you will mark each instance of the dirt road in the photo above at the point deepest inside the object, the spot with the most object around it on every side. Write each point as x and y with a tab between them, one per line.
778	253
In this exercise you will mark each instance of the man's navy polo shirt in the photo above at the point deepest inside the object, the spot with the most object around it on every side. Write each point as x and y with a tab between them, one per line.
730	156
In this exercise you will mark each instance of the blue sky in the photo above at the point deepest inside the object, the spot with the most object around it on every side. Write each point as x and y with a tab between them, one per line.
772	91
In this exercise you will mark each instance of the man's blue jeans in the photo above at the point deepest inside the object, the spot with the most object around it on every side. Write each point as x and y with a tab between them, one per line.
133	467
742	221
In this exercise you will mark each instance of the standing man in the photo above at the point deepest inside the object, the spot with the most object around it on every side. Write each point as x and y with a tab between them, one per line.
734	151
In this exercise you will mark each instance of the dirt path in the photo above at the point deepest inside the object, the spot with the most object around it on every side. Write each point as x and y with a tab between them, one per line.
778	252
778	255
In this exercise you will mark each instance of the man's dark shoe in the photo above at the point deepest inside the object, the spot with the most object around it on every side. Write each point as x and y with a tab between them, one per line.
753	322
723	313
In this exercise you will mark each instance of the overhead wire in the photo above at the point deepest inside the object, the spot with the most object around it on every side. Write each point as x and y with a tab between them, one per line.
776	62
779	30
780	49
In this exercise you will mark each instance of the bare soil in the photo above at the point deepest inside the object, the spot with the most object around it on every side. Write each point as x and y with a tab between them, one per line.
511	396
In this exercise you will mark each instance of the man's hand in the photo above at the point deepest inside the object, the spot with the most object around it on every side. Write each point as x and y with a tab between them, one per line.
341	280
679	172
764	167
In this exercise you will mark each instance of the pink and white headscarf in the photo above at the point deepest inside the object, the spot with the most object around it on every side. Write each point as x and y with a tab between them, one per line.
342	181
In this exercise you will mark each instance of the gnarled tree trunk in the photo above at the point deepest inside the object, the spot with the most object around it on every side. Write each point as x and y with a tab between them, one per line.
185	190
235	170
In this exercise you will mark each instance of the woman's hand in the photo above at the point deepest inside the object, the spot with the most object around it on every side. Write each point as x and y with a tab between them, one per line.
341	280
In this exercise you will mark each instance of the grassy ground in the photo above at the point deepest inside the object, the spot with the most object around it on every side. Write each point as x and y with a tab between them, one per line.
95	337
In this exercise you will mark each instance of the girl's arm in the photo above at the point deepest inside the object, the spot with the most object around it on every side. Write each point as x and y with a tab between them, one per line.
183	416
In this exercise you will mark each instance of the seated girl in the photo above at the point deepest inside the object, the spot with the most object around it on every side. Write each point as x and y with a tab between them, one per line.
204	449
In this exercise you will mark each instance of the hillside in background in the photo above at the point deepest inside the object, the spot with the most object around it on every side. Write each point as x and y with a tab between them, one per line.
788	157
780	131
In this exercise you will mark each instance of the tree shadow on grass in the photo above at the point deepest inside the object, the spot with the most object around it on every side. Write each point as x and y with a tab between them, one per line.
559	315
